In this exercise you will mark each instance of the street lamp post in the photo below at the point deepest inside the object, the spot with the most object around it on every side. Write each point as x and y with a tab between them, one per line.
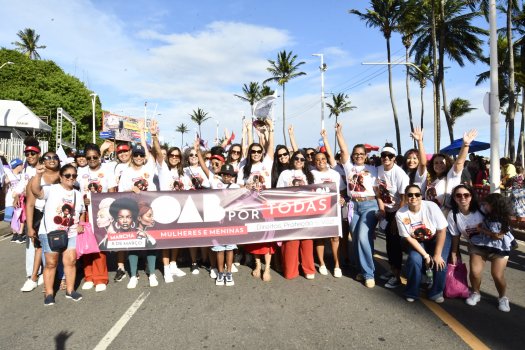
93	100
6	63
322	68
436	112
216	132
495	172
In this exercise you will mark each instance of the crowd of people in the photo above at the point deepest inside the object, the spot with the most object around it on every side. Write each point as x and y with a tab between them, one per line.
425	207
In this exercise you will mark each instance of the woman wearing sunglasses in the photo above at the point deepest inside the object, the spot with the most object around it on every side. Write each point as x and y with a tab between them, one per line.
423	227
235	156
57	197
102	180
443	173
299	173
466	220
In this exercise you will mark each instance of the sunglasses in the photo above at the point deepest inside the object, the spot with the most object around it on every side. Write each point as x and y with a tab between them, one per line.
207	158
236	152
256	151
299	159
192	155
359	154
69	176
387	155
413	194
174	155
462	195
139	155
280	155
30	153
310	154
92	158
216	164
47	158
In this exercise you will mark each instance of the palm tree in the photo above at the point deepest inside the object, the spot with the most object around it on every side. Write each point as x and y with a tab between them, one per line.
182	128
421	75
340	104
198	117
28	43
458	108
251	93
457	38
385	15
283	70
266	91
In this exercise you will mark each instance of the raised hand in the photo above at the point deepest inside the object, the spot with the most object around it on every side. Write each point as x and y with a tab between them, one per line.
153	127
290	129
323	134
417	134
469	136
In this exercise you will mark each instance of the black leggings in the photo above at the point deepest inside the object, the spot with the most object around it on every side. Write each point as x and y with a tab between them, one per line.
393	242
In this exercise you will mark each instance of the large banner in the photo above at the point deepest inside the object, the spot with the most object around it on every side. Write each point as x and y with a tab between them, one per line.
162	220
125	128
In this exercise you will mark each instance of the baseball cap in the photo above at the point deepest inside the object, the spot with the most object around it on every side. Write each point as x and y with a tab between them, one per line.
15	162
122	147
80	153
228	170
138	149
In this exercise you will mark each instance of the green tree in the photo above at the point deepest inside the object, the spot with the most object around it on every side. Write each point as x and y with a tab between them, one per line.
421	75
183	129
28	44
340	104
198	117
266	91
283	70
458	108
385	15
43	87
251	93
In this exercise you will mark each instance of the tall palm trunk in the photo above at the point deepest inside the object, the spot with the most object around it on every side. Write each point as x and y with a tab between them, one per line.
522	126
182	140
512	96
450	127
435	82
335	136
284	119
396	121
407	83
422	108
441	45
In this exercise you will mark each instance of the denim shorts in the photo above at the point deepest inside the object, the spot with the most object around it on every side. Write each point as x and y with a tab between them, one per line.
71	243
221	248
486	253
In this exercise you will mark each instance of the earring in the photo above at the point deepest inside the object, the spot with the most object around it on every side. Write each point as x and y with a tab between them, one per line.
133	224
117	226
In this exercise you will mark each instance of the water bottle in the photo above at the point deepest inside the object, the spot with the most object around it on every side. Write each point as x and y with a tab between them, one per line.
430	276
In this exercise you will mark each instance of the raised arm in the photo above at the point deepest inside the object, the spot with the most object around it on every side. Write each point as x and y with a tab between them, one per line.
142	128
345	156
417	135
154	130
468	137
292	138
331	157
270	148
35	182
202	162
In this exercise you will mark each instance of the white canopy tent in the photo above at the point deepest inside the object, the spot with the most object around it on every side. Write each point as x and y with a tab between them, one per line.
14	114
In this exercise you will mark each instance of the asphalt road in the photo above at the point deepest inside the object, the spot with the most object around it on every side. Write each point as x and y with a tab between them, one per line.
193	313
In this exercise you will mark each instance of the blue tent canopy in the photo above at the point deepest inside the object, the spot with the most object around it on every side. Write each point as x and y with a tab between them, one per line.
454	147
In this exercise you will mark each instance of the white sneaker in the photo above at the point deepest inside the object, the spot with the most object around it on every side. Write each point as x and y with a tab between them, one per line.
310	276
504	304
132	284
29	285
40	280
473	299
175	271
323	270
168	277
100	287
213	273
338	273
233	269
87	285
153	281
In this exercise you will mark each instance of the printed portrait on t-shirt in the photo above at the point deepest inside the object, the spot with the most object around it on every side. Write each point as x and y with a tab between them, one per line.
386	197
298	181
94	187
431	194
65	215
141	183
357	183
257	181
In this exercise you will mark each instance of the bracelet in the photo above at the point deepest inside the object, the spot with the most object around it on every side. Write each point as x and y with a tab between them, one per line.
426	256
153	135
466	144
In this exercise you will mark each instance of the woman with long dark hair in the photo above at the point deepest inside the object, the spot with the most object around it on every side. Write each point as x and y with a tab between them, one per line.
281	162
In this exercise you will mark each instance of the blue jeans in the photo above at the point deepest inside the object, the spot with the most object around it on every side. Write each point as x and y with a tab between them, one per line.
362	228
415	267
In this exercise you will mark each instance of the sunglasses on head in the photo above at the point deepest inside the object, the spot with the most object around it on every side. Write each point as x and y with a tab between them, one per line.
256	151
462	195
387	155
69	176
413	194
92	158
280	155
30	153
50	158
299	159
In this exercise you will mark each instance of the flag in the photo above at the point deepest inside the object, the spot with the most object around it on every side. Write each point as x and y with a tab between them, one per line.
263	107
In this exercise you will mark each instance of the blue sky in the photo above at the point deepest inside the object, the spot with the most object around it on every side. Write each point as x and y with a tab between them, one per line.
181	55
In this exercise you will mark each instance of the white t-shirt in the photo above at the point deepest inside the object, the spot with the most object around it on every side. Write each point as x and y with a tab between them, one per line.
262	169
170	180
467	224
196	174
27	173
428	220
142	177
341	171
436	190
291	177
361	180
217	183
58	210
330	175
391	185
118	169
97	181
14	179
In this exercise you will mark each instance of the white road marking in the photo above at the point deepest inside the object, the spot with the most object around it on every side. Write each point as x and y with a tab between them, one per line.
121	323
